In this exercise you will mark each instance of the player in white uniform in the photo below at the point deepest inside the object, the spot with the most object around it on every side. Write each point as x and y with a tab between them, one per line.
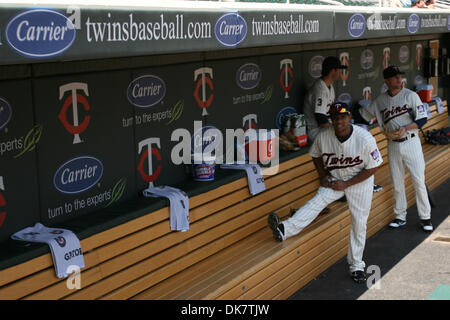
400	109
346	158
320	97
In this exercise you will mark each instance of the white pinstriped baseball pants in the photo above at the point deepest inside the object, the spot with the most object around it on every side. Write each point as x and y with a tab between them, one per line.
359	199
409	153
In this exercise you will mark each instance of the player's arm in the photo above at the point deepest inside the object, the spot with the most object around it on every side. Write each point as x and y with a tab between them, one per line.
340	185
322	120
418	114
323	173
321	110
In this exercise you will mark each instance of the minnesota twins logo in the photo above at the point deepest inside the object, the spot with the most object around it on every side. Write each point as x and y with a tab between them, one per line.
249	121
206	74
332	161
2	203
72	100
386	57
61	241
367	93
286	66
393	112
147	155
419	56
344	57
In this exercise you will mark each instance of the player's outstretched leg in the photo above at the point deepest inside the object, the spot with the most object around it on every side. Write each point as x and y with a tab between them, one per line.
304	216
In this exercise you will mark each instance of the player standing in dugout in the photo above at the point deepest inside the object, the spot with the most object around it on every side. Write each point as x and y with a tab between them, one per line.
400	114
346	157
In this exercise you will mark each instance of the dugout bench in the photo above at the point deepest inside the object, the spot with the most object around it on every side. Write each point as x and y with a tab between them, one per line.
229	251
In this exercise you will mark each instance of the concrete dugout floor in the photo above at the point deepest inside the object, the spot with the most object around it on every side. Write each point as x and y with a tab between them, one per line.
413	265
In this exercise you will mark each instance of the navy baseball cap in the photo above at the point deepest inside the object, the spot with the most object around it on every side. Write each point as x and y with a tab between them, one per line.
391	71
339	108
331	63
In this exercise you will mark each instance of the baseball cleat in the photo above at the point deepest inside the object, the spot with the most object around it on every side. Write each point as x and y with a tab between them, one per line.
359	276
377	188
426	225
276	226
397	223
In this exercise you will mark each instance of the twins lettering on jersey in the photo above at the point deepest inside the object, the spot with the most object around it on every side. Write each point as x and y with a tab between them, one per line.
332	161
393	112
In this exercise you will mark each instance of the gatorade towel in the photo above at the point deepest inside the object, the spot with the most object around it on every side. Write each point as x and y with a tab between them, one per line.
179	205
254	176
64	246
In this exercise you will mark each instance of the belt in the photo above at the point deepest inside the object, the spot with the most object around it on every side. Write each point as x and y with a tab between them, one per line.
405	138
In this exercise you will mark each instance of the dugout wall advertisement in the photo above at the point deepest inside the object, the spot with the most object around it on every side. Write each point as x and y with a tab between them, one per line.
75	144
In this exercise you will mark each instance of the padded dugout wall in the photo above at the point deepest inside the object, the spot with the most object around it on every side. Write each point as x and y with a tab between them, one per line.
110	129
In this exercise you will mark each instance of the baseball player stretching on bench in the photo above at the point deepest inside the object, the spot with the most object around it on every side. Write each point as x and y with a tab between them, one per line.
346	157
400	114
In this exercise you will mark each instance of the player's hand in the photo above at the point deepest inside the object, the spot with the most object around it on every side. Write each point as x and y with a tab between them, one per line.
325	181
401	132
339	185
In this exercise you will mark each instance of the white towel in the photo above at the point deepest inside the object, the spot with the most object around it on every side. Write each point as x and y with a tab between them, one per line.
439	104
254	176
179	205
427	108
64	246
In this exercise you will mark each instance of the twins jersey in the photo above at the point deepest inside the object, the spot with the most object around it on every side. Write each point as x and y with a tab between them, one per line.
318	100
344	160
397	111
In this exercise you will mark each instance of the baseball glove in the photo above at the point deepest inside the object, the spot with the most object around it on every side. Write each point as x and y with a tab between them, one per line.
392	134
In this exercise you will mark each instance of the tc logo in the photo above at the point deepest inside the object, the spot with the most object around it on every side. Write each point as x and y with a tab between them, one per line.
344	57
76	128
204	102
386	57
2	202
367	93
286	84
61	241
419	56
249	121
150	177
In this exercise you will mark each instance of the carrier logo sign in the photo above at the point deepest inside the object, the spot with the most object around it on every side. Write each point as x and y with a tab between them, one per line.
72	100
345	97
78	175
403	54
367	59
2	203
315	66
146	91
286	66
147	155
230	29
206	74
248	76
284	113
40	33
356	25
5	113
413	23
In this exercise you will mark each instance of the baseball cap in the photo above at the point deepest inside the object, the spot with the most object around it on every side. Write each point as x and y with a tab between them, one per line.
339	108
391	71
331	63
